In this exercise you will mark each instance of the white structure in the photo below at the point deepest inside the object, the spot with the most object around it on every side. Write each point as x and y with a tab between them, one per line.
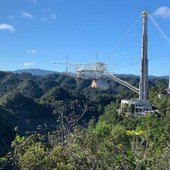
140	106
162	96
143	84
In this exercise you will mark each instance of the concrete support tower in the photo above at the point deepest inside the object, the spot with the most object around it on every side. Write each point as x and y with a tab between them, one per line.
143	84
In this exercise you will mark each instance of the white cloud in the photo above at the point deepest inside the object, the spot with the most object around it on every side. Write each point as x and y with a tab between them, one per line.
28	64
26	14
53	16
7	27
32	51
163	11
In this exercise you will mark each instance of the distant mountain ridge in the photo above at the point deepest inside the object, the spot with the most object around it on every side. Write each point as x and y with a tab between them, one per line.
36	72
42	72
137	76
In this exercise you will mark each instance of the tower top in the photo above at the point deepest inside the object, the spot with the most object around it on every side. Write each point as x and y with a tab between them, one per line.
144	13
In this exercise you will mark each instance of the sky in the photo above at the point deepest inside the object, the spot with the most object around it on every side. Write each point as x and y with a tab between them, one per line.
41	33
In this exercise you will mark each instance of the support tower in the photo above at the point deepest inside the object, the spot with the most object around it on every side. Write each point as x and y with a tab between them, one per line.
143	84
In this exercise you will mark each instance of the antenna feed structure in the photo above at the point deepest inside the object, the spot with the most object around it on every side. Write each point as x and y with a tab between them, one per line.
90	71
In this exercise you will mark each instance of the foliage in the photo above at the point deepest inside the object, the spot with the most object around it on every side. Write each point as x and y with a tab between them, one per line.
104	146
72	126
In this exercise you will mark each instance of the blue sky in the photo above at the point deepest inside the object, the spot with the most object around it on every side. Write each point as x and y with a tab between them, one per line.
39	33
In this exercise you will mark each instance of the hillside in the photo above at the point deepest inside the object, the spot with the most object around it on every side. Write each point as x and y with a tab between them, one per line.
32	104
28	101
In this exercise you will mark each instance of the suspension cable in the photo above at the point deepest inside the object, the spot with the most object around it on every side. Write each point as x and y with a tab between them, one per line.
162	33
138	61
122	82
125	35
